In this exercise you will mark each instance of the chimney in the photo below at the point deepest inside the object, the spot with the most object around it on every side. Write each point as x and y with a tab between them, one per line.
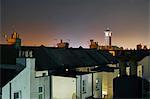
63	44
14	40
91	41
139	47
61	41
93	45
145	47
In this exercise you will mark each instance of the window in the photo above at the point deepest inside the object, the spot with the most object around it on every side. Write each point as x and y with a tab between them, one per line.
128	71
40	89
140	71
17	95
43	74
40	96
97	84
41	92
83	86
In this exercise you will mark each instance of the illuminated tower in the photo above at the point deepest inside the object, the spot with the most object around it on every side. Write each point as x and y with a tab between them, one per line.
108	34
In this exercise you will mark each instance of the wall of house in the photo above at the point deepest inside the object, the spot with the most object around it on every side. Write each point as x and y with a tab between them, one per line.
27	84
21	83
44	83
97	85
63	87
6	92
106	81
109	80
39	79
146	67
85	92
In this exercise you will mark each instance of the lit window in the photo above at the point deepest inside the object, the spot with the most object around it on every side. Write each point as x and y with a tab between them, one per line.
67	70
140	71
104	95
128	71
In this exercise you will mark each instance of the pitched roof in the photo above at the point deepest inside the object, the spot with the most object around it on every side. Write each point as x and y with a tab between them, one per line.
8	72
109	56
133	54
53	58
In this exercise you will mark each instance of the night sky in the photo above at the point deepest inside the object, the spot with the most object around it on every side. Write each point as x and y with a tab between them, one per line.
45	22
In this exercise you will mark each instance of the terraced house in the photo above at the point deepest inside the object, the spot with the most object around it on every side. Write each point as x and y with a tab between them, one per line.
57	73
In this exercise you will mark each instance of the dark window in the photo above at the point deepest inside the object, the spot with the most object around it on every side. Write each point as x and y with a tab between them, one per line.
40	96
40	89
43	74
84	86
41	92
16	95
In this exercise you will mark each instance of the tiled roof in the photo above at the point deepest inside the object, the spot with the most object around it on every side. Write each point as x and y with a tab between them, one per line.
48	58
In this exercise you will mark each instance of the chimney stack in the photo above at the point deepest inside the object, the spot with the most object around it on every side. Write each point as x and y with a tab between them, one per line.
63	44
93	44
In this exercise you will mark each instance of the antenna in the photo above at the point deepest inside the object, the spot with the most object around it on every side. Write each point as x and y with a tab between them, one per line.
5	35
13	28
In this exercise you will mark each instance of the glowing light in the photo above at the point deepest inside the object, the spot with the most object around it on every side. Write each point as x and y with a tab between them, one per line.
96	66
104	92
108	32
97	81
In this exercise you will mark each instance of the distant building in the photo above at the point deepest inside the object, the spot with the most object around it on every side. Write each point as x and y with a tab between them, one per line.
108	41
140	47
110	48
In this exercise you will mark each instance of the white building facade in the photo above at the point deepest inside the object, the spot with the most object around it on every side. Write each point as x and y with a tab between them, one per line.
31	84
25	85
